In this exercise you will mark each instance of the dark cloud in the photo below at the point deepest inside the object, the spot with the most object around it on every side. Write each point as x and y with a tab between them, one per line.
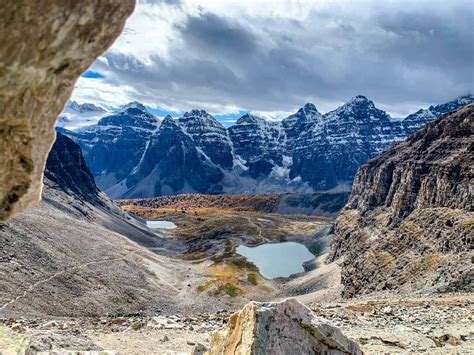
209	33
396	56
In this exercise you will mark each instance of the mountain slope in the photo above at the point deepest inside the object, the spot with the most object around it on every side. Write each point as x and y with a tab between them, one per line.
256	143
170	163
410	219
209	135
75	254
329	152
115	145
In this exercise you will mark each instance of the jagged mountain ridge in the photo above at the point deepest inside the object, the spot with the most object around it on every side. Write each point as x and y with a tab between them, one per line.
307	151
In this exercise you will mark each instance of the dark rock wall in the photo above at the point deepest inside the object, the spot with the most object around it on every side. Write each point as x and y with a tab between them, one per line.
409	223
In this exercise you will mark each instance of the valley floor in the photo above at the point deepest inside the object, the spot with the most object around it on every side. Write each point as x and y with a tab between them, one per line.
212	281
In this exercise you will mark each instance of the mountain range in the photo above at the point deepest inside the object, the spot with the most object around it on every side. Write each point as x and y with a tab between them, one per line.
131	153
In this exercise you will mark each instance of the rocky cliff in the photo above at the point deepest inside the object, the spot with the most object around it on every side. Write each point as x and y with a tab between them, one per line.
45	47
409	223
67	169
209	135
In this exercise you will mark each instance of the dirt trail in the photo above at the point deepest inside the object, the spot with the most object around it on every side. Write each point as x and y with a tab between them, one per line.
59	273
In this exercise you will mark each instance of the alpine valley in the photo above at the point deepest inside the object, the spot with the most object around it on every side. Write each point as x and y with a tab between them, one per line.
133	154
125	231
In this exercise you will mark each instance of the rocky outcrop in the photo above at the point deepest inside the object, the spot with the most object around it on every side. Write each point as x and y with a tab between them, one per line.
286	327
67	169
45	47
409	223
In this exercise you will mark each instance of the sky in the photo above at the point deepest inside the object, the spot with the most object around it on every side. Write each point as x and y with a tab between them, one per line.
271	57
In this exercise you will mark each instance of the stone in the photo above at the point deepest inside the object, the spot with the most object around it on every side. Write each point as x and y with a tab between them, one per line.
446	339
137	325
286	327
46	46
198	349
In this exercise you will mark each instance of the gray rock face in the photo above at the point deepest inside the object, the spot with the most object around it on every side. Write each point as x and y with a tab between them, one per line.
116	144
172	163
66	168
409	221
256	141
287	327
329	151
209	135
45	47
299	123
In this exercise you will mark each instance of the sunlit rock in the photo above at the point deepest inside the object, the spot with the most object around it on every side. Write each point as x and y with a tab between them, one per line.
45	45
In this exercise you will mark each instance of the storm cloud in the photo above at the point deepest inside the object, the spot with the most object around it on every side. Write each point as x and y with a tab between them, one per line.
401	55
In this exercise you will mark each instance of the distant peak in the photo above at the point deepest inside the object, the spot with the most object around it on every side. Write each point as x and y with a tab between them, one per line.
168	120
309	107
358	99
73	104
135	108
83	108
133	104
249	118
197	113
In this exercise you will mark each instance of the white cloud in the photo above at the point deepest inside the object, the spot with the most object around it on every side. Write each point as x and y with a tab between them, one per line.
272	56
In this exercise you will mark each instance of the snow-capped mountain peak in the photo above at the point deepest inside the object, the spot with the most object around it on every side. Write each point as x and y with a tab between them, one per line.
133	104
73	106
136	109
209	135
248	118
310	109
168	121
307	151
77	115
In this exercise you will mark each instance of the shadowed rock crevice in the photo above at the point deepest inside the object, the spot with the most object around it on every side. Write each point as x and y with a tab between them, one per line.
46	45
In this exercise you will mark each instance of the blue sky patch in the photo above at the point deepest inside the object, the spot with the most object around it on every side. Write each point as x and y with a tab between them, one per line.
92	75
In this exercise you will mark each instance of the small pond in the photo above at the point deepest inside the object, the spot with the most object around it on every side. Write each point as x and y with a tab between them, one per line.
160	225
277	260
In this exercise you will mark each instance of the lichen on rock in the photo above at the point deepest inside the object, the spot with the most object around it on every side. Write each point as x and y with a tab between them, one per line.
46	46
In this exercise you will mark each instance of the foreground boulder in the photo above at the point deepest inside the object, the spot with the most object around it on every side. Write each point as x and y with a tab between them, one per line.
45	45
409	223
286	327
